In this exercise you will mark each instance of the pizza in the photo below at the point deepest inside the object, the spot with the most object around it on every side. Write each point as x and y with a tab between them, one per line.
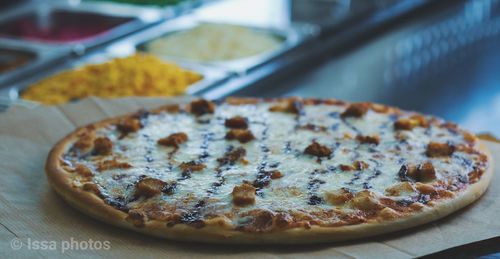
250	170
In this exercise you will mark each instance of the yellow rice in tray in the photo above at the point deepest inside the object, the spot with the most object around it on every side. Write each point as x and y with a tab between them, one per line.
137	75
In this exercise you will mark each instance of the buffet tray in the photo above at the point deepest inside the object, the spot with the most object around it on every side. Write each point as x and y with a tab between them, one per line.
42	57
50	53
292	36
11	94
136	19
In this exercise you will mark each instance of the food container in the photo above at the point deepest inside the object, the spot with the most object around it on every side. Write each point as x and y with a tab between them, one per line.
12	59
12	94
36	59
291	37
77	27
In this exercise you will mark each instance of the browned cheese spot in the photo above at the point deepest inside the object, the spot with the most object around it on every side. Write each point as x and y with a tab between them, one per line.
243	195
82	170
174	140
313	127
469	137
128	125
232	157
422	173
236	122
366	201
93	188
201	106
112	164
388	213
426	172
102	146
318	150
368	139
356	166
263	220
400	189
242	135
290	106
338	197
85	140
475	175
282	220
435	149
149	187
411	122
426	188
276	174
356	110
192	166
170	108
137	218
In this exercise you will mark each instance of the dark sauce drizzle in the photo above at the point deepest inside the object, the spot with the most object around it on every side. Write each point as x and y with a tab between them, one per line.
366	184
336	116
194	215
356	177
349	125
335	126
288	147
148	152
298	117
384	126
207	137
263	177
313	186
375	173
120	202
428	131
221	180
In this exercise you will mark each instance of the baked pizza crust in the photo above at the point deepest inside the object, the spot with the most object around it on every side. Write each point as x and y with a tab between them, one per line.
218	232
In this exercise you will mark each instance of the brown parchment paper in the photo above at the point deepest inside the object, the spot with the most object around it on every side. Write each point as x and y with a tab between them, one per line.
31	212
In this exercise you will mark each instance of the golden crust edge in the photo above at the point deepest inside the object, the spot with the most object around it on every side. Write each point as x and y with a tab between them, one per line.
95	207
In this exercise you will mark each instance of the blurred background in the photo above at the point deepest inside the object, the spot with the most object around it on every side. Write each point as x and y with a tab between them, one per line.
436	57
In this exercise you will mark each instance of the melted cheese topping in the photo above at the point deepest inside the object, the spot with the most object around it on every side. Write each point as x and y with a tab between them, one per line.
279	144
